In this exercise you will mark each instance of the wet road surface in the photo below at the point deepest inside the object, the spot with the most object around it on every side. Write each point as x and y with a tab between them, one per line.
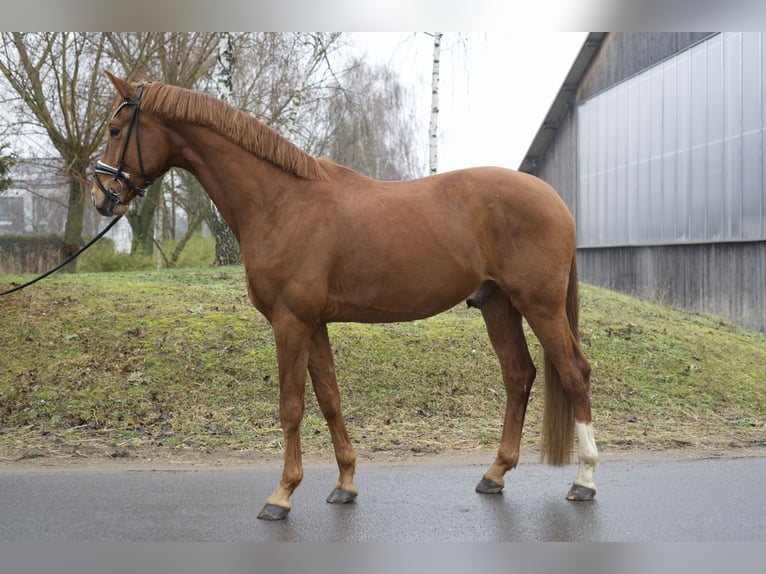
656	501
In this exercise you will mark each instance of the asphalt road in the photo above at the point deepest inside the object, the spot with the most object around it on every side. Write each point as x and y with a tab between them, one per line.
652	500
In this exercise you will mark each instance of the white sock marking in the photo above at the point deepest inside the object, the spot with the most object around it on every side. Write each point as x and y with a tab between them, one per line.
587	454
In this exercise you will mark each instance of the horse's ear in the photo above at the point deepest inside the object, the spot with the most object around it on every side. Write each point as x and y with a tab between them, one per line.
125	89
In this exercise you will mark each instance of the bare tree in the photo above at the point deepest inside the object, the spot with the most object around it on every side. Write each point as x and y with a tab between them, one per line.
373	124
179	58
306	87
56	77
284	78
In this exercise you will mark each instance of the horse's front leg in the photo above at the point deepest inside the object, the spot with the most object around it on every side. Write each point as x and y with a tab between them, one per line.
322	371
292	341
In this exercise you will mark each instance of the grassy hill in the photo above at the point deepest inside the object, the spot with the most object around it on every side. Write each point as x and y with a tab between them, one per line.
104	364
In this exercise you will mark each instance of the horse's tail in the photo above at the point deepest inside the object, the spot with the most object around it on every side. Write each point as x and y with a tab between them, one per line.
558	417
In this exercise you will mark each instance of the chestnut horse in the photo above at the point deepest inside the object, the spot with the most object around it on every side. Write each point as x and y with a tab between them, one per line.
322	243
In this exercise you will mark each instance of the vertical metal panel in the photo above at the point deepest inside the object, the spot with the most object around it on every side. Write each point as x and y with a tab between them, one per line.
654	190
611	212
753	106
587	157
558	165
684	146
714	91
600	198
698	104
670	111
634	123
644	155
621	193
763	134
732	132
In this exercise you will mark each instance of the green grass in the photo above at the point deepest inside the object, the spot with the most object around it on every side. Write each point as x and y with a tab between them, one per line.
103	362
198	252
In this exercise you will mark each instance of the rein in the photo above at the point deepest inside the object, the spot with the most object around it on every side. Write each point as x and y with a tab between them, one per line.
67	261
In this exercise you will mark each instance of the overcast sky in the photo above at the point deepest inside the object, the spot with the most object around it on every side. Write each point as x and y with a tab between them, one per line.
495	88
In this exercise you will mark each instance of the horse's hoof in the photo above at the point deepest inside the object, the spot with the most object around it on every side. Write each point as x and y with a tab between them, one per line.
580	493
487	486
273	512
340	496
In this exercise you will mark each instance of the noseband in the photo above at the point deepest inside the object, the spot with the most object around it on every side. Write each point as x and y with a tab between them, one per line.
116	173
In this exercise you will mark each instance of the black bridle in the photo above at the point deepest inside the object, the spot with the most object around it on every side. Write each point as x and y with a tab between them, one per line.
117	174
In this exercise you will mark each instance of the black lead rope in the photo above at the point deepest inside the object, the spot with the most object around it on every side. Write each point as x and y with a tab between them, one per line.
67	261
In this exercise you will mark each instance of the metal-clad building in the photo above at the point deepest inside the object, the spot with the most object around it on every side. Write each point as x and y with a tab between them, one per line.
657	142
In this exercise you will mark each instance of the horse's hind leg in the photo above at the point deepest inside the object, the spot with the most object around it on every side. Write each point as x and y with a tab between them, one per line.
570	372
322	371
507	336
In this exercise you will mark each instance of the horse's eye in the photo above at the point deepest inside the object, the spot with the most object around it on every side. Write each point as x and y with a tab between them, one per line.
114	132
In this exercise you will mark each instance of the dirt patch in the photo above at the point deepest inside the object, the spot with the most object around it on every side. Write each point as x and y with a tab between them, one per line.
163	459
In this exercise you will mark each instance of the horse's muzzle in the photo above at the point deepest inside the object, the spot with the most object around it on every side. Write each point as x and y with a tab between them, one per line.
106	208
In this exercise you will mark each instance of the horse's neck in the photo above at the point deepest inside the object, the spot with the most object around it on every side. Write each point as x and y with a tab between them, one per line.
210	157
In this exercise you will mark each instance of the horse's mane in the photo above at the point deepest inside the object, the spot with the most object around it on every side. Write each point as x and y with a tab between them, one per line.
240	128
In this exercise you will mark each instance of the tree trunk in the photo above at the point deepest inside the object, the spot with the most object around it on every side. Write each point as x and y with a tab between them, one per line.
194	225
142	221
433	134
73	227
227	250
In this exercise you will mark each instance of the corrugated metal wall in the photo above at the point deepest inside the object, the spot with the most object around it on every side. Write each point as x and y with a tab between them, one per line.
675	154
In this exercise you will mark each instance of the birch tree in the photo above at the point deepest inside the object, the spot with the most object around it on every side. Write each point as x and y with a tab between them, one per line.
433	132
227	251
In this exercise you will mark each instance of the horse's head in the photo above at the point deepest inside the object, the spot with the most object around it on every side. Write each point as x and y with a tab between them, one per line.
136	153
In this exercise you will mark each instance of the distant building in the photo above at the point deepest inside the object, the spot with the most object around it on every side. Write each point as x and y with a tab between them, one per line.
36	200
657	142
